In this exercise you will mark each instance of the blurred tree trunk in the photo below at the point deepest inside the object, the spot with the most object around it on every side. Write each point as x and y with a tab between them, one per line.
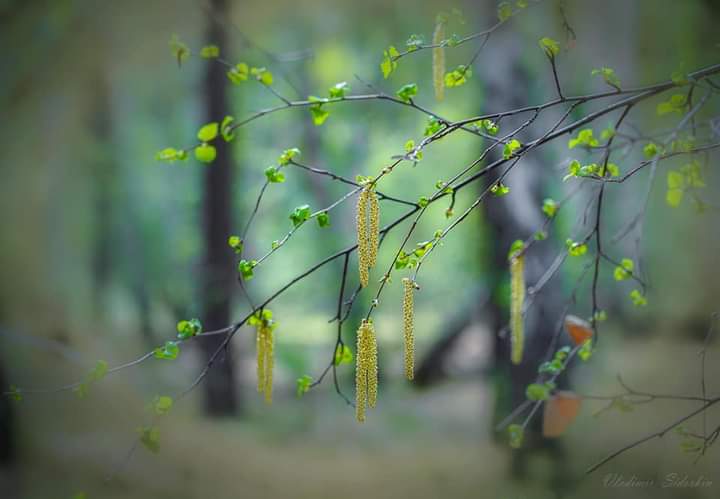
517	216
221	398
7	447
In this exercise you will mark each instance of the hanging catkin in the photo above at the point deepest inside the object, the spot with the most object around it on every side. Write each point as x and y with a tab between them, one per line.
373	228
372	376
269	364
408	333
365	370
265	355
517	299
368	232
438	69
362	228
260	342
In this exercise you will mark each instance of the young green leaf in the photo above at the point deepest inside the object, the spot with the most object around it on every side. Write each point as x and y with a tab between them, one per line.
150	438
550	47
208	132
169	351
323	219
303	384
245	267
407	92
162	404
210	52
510	148
300	215
205	153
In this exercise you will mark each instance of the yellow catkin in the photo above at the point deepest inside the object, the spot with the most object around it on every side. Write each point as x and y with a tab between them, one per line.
366	370
372	368
438	68
361	361
362	228
408	333
265	360
517	299
269	364
260	342
373	228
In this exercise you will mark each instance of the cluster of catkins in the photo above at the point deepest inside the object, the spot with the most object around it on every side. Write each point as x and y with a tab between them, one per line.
366	379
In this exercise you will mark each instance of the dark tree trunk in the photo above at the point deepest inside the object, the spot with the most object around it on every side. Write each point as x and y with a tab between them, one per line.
221	398
517	216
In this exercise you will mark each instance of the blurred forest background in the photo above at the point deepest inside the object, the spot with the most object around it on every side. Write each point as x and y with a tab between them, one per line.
104	249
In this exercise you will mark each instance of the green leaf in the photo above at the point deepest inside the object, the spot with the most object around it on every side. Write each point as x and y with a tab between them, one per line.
208	132
573	170
262	75
210	52
300	215
499	189
239	73
584	137
274	175
576	248
607	133
162	404
516	433
650	150
550	207
676	104
407	91
205	153
188	329
323	219
226	129
179	50
608	74
676	188
537	391
586	351
488	126
517	246
389	64
288	155
432	127
319	115
414	42
150	438
343	355
303	385
15	393
510	148
674	197
692	173
338	90
236	243
550	46
245	267
638	298
171	155
504	11
169	351
423	201
624	270
458	76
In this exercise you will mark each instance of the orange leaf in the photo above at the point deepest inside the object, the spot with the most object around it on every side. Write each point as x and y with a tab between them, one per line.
579	330
560	410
